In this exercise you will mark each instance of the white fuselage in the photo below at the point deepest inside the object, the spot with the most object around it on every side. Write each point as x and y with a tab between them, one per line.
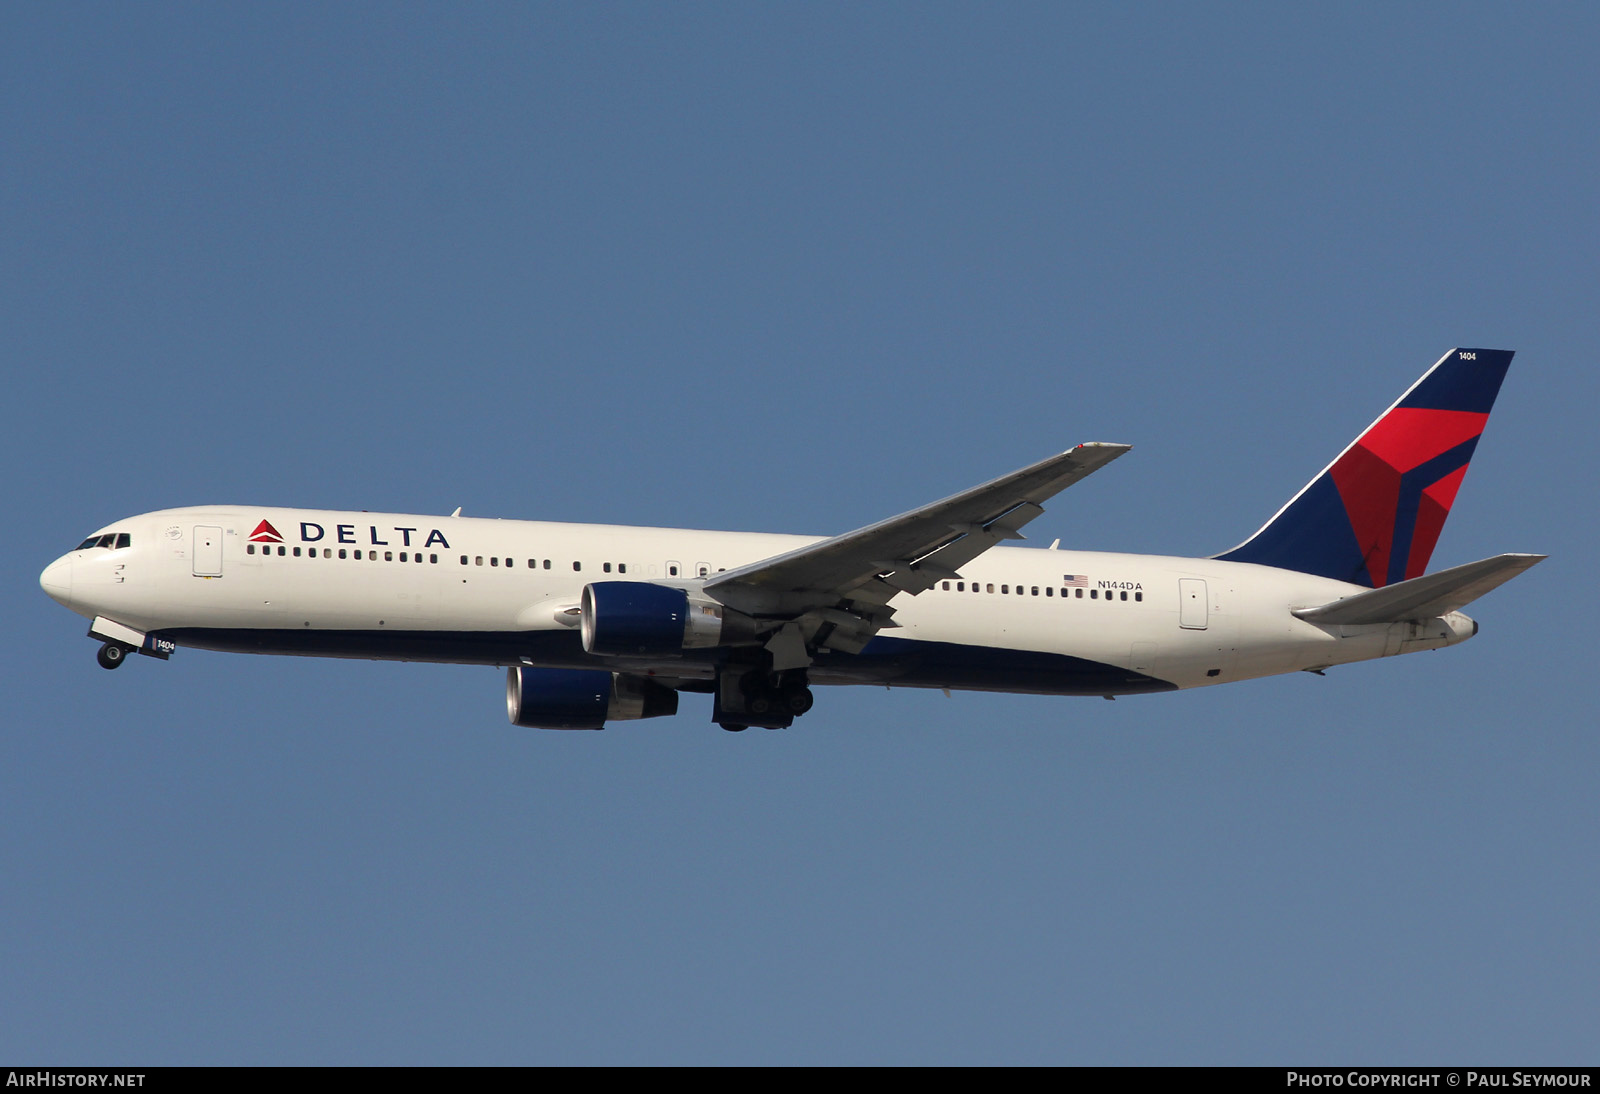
484	591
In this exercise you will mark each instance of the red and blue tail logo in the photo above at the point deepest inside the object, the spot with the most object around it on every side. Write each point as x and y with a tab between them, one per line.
1373	516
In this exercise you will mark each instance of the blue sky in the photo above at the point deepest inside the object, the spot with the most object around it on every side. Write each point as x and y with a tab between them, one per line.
794	268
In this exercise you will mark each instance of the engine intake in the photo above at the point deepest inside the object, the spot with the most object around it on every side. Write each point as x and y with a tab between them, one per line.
637	618
582	698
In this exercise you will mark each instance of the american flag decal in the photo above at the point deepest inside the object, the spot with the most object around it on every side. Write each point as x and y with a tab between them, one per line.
1075	581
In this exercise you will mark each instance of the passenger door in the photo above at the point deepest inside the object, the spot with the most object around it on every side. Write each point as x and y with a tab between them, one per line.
207	551
1192	603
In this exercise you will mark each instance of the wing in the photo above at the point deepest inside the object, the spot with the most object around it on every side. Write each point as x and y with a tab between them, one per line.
836	593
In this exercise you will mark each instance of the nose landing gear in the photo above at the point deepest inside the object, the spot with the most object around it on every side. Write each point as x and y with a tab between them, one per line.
121	640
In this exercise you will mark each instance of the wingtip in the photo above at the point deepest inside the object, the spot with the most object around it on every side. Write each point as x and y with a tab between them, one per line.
1101	448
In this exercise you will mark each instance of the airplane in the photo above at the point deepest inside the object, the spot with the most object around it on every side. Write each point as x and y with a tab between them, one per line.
598	623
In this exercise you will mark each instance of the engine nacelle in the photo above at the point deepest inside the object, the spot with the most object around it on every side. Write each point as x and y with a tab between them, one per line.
582	698
638	618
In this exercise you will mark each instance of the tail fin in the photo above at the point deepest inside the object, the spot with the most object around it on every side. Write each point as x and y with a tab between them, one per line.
1374	514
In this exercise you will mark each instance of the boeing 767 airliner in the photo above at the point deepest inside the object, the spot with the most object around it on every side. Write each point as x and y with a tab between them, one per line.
600	623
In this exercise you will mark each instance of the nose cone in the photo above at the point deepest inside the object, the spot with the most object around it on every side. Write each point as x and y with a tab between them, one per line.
57	580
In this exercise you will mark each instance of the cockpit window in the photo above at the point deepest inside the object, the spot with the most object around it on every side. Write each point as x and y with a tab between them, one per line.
110	539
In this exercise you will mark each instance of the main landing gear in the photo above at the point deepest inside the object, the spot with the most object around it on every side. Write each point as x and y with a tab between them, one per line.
111	655
753	697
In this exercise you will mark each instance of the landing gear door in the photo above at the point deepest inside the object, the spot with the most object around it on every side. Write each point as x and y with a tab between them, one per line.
1192	603
207	551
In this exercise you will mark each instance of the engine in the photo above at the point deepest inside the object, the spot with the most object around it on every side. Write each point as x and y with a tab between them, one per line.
582	698
637	618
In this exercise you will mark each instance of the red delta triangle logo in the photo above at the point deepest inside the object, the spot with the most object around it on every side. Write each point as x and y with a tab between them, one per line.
265	533
1398	482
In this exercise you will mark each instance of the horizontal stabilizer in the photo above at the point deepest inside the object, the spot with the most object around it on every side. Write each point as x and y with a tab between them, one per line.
1423	597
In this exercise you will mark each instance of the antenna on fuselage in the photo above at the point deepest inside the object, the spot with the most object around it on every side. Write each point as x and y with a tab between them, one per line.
457	513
